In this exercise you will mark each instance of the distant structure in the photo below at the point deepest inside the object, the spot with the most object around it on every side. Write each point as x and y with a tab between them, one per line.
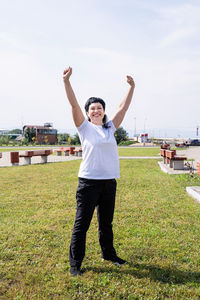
4	131
43	134
12	136
143	138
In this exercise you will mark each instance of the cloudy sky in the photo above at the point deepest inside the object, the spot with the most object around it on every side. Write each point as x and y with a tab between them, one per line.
155	41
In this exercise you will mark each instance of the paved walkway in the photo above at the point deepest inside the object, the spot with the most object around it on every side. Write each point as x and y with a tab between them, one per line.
5	160
194	192
166	169
190	153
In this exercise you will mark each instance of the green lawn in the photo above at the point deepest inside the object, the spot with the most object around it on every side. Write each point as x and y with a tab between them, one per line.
20	149
23	148
156	229
142	151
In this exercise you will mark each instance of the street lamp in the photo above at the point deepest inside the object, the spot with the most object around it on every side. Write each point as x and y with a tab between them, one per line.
145	124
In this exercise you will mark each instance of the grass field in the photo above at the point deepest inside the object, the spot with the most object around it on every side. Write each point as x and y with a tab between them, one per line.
134	151
156	229
19	149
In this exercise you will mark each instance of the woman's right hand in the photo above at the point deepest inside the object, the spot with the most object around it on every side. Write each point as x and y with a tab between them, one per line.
67	73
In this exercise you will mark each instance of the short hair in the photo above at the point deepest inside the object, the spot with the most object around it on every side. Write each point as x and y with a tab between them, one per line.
97	100
94	100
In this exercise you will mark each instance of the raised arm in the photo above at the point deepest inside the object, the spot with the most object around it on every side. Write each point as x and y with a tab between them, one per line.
124	105
77	114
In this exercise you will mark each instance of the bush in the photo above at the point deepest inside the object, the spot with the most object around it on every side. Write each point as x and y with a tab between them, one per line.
5	140
62	138
121	135
126	143
75	140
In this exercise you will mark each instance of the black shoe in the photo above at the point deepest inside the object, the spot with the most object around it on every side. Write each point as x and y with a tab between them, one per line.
75	271
116	260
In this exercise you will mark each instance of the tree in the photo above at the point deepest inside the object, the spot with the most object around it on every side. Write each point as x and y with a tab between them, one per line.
59	139
29	134
75	140
15	131
4	140
69	140
62	138
121	135
45	139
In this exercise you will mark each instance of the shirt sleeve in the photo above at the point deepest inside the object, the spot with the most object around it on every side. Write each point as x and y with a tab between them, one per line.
110	123
82	129
83	126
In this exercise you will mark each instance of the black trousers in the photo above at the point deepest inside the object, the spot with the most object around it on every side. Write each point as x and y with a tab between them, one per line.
92	193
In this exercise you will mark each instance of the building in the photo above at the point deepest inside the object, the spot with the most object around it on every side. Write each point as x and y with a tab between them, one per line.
4	131
143	138
11	136
43	134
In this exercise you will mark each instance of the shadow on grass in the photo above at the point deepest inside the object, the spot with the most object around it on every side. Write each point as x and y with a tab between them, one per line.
153	272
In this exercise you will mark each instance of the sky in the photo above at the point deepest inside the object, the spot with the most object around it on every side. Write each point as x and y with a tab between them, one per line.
155	41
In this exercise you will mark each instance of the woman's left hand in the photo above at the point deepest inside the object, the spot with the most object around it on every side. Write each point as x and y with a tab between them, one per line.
130	81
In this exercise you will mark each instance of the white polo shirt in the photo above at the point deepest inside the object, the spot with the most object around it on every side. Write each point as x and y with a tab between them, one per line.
100	154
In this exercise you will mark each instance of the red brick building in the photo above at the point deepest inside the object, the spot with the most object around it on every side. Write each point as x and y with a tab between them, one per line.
43	134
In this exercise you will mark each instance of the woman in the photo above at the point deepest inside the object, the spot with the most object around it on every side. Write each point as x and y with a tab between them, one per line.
98	170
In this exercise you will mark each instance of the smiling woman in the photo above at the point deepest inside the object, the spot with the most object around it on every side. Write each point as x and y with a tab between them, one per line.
97	173
95	110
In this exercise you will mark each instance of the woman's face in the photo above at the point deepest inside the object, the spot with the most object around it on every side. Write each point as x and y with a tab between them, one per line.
96	113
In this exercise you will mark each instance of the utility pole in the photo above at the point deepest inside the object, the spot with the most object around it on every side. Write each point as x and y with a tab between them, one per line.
145	125
22	124
197	130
